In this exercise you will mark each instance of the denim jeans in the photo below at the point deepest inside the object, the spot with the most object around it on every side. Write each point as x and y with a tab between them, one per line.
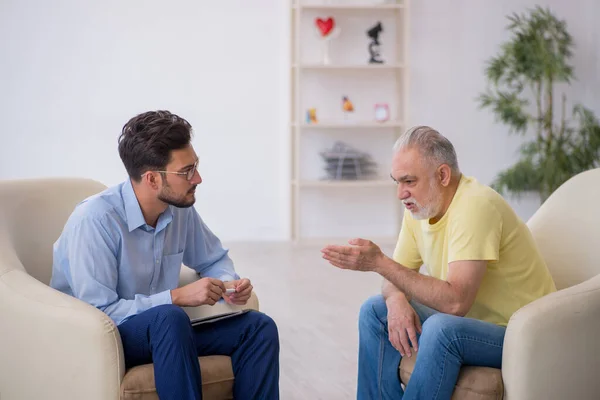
446	343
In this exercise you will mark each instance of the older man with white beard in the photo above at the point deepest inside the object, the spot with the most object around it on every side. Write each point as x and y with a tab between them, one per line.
482	263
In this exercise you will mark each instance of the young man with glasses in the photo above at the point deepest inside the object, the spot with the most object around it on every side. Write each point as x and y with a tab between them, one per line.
121	251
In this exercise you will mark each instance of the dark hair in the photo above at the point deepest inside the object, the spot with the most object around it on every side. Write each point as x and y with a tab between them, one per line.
147	140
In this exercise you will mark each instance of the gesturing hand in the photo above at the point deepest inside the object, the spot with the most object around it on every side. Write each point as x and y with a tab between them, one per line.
203	291
243	290
362	255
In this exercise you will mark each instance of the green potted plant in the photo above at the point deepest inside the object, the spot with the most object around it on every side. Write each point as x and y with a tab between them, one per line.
524	79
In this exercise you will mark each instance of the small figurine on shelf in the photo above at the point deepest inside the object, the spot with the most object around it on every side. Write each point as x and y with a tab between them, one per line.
347	106
373	33
311	116
327	30
382	112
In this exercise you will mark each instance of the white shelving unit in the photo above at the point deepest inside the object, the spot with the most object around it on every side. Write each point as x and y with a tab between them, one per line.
341	209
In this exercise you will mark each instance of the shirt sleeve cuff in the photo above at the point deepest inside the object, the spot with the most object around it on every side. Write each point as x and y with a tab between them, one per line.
228	277
161	298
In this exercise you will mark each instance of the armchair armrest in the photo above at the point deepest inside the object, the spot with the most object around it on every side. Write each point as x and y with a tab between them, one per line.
188	275
551	346
54	346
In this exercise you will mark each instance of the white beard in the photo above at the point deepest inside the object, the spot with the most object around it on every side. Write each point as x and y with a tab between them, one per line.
432	207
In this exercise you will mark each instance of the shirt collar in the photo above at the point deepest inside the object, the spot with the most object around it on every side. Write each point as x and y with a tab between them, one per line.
133	211
164	219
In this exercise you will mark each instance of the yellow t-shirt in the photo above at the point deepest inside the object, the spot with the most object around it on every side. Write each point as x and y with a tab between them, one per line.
479	225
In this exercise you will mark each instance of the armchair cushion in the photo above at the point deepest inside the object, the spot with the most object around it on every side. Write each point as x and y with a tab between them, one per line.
474	383
217	380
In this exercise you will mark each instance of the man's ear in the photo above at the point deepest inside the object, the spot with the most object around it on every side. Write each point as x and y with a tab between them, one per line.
150	179
444	174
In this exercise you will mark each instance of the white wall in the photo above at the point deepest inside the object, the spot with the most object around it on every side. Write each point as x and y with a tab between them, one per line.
73	72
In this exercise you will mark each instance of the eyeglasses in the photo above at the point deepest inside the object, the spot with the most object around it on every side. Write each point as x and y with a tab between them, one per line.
189	174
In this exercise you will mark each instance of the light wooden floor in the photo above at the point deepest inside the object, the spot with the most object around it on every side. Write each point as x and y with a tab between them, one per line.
315	306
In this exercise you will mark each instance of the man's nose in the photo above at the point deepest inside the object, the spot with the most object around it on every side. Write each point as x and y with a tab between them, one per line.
196	179
402	193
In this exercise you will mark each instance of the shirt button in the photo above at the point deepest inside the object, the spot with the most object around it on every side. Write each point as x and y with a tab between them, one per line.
157	261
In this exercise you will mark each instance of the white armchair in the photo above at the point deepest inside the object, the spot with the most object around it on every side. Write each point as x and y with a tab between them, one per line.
551	347
52	345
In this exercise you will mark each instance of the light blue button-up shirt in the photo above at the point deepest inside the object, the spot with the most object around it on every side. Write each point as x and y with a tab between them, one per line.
110	258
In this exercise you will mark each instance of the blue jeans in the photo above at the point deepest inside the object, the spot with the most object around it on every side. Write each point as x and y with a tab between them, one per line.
446	343
164	336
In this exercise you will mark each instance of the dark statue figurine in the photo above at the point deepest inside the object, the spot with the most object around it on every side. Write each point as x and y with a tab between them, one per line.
373	33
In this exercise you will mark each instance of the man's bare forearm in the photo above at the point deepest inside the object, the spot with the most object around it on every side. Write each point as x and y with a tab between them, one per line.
427	290
388	290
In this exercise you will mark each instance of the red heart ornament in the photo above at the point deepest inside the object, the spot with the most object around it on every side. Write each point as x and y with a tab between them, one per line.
325	26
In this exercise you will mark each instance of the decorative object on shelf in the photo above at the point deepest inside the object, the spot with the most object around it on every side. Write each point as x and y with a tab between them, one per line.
382	112
311	116
347	107
373	33
346	163
325	26
327	30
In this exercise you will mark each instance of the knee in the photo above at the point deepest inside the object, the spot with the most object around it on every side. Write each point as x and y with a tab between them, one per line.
370	310
171	316
267	328
439	326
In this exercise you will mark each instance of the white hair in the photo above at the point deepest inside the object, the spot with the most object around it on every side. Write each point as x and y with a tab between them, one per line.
436	149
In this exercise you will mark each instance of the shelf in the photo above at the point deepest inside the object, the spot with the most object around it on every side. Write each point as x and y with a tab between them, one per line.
311	65
358	67
351	125
349	184
348	7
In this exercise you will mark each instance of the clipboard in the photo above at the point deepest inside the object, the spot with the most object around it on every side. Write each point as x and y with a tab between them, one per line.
218	317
